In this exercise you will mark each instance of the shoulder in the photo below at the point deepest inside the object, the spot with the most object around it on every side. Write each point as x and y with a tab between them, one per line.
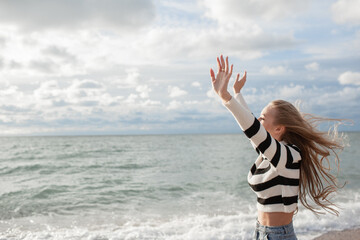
294	151
293	146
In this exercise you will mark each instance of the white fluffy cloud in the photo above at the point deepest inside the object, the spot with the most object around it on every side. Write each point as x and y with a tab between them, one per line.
81	93
314	66
349	78
144	90
175	91
190	42
196	84
80	14
11	95
240	11
326	102
144	64
278	70
174	105
291	92
346	12
132	78
59	53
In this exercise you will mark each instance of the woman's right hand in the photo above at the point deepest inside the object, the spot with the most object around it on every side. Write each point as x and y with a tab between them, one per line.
221	80
239	83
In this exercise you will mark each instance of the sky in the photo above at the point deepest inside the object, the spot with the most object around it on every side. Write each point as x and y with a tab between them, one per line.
142	66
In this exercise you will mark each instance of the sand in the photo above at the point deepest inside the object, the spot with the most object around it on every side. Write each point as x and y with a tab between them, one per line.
348	234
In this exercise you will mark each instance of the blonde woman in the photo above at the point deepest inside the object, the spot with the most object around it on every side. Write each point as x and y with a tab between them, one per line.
289	166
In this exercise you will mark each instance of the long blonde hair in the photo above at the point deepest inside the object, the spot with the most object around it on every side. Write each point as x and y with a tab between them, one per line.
316	180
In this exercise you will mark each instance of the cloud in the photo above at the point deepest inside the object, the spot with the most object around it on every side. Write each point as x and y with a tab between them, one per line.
322	101
50	95
87	92
247	11
87	84
15	65
349	78
279	70
149	103
2	41
60	53
175	91
291	92
196	84
346	12
131	80
44	66
342	103
314	66
50	14
85	104
113	73
12	95
15	106
174	105
1	63
48	90
131	98
211	94
144	91
194	41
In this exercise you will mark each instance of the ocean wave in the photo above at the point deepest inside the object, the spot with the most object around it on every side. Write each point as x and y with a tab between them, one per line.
144	188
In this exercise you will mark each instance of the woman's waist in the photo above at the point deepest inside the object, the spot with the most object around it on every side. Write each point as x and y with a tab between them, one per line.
275	218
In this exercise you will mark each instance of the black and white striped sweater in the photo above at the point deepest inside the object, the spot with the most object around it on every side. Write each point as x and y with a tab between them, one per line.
274	177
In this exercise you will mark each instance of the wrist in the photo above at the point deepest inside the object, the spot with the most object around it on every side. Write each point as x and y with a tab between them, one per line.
225	96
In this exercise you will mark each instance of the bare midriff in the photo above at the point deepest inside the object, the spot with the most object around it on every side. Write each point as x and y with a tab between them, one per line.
274	218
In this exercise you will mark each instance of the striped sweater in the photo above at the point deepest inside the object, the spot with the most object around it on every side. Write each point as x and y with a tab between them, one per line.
274	177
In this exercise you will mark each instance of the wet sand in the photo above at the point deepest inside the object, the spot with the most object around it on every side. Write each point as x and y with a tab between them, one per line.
348	234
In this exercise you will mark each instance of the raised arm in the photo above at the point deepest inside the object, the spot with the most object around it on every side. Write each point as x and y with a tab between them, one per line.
272	149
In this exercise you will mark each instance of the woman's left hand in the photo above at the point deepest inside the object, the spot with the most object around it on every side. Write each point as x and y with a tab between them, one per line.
221	81
239	83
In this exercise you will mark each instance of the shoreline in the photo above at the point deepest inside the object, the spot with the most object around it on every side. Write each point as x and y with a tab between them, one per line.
351	233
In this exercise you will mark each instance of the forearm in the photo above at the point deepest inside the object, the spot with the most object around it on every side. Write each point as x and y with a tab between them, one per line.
241	100
250	125
242	115
247	122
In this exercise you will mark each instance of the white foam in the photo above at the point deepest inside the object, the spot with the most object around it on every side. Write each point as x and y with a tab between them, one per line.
216	225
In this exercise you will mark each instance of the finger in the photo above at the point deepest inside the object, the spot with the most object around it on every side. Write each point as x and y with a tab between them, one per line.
219	64
231	70
212	75
237	77
222	61
227	65
243	76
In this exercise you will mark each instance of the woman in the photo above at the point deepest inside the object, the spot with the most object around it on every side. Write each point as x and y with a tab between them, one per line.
289	165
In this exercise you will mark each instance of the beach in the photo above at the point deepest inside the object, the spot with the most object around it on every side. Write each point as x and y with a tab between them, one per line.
348	234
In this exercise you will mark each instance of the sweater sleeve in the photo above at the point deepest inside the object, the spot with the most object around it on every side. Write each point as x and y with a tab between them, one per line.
242	115
241	100
272	149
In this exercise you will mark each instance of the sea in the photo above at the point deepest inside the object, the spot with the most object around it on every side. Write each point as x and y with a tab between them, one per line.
176	187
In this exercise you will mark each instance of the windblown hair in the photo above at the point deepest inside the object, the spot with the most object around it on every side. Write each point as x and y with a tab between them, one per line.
316	179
